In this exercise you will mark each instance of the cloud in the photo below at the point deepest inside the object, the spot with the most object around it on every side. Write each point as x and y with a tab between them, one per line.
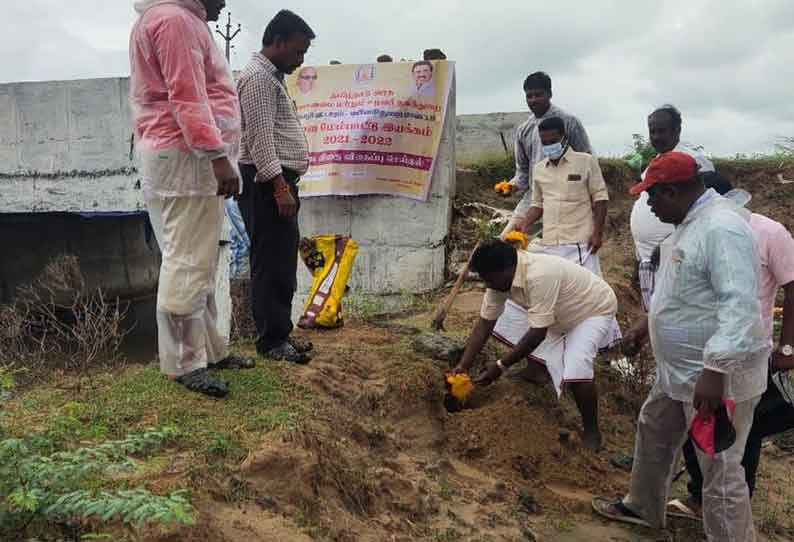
728	66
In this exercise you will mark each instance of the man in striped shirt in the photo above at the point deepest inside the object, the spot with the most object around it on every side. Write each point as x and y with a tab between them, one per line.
273	156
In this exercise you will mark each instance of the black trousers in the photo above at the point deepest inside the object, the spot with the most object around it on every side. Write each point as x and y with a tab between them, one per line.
274	257
773	415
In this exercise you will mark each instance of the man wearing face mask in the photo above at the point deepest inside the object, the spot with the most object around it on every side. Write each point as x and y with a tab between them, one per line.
275	153
187	128
570	194
528	147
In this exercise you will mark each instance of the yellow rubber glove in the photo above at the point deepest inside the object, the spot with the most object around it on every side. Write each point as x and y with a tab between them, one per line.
517	239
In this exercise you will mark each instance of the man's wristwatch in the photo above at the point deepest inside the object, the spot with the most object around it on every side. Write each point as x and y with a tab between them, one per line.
787	350
501	365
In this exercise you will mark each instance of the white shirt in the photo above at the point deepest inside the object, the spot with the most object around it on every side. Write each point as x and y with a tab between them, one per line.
705	312
647	230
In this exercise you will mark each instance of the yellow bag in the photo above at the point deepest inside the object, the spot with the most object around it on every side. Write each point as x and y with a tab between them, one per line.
330	259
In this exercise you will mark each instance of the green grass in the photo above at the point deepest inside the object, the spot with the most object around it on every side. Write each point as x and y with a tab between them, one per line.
108	406
445	490
364	307
773	160
448	535
215	436
495	165
369	307
6	380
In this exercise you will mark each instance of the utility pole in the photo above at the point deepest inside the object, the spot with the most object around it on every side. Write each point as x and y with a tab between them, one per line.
228	36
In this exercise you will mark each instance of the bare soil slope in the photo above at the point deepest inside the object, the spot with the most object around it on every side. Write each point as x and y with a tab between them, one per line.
381	460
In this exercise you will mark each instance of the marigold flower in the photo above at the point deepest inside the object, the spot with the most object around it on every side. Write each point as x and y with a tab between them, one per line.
517	239
459	386
504	187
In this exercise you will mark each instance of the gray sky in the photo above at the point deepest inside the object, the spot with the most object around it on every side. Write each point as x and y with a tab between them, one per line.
729	66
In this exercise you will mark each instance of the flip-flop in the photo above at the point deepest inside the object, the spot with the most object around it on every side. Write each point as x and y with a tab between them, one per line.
602	507
287	352
234	362
679	509
200	381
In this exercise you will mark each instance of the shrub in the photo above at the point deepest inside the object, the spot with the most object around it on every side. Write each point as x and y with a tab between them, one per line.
38	490
54	319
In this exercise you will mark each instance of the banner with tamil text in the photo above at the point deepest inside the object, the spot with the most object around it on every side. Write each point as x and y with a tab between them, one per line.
372	128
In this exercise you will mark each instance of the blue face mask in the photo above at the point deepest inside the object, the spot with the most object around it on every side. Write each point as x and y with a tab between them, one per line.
554	151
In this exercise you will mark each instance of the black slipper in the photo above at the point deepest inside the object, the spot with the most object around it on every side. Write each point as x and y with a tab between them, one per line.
300	346
286	352
201	381
234	362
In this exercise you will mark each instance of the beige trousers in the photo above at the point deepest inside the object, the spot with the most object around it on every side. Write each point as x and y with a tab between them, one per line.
188	231
661	432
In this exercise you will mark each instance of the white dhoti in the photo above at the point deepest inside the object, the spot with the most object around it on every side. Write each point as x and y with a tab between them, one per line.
568	357
580	253
188	231
223	284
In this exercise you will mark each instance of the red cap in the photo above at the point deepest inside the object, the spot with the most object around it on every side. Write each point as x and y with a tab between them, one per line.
668	167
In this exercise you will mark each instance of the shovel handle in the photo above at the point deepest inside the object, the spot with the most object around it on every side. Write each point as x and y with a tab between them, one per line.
441	314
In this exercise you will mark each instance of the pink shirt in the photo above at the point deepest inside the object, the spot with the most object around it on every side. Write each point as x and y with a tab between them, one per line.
776	250
182	92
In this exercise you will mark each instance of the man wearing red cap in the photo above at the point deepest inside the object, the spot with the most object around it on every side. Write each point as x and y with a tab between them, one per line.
710	346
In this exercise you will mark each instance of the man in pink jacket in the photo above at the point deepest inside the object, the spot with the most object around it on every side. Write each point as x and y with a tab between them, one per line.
187	125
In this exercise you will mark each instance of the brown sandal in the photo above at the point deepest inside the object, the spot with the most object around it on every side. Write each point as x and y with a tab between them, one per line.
615	510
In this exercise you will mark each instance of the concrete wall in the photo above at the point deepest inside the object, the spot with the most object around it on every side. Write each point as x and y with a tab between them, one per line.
84	127
477	136
113	252
65	146
402	241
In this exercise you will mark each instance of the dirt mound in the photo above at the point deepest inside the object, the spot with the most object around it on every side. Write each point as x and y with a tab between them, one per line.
380	460
770	196
377	461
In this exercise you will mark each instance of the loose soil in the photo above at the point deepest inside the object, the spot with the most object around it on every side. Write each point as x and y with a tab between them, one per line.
381	460
378	459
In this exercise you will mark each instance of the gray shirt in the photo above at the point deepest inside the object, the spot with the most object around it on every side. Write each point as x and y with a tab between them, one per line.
529	150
